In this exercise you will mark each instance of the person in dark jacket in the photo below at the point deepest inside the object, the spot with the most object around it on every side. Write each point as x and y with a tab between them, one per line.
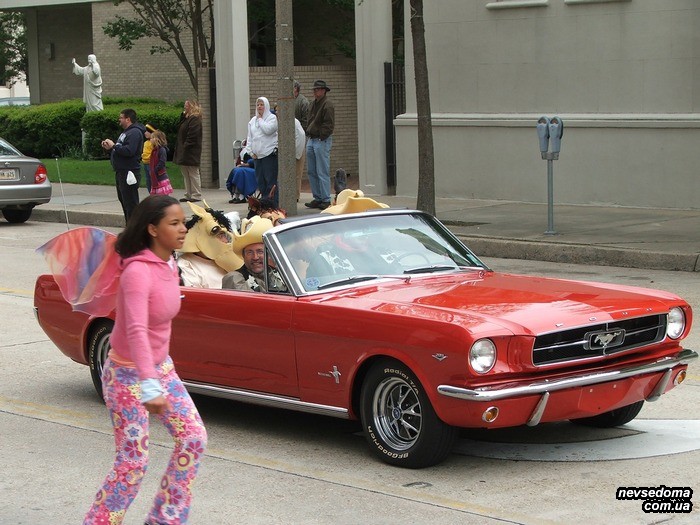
318	148
188	150
125	155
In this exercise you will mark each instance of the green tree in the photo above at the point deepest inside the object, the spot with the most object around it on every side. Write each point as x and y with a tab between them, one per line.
173	22
13	47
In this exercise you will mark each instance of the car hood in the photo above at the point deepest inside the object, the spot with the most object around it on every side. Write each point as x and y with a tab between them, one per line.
521	304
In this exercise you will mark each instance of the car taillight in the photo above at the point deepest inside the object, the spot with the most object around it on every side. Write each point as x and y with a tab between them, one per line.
40	175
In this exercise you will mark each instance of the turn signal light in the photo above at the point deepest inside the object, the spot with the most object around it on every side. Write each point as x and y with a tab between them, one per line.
490	414
680	377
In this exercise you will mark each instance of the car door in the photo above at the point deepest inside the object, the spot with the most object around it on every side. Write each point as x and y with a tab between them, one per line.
236	339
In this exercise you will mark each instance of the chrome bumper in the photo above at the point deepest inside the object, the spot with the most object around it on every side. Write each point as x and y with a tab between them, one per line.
540	387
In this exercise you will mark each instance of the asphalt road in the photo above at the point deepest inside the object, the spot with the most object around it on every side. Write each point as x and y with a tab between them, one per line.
266	466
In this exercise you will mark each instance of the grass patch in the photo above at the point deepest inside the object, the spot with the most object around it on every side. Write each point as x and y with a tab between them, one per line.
97	172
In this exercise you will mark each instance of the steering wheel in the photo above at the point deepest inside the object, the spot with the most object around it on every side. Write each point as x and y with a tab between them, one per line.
420	255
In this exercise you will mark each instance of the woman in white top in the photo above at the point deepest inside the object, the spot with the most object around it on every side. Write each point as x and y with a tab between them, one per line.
261	144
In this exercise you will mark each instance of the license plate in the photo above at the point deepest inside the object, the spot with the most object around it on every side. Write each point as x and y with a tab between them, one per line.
9	174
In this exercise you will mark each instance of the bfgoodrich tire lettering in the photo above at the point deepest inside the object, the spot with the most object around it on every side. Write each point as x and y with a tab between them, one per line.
98	348
398	420
614	418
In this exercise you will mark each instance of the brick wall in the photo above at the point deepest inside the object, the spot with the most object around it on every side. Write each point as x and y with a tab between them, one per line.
206	170
136	73
77	31
343	93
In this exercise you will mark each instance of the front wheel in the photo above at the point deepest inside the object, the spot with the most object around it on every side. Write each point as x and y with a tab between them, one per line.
398	420
98	348
614	418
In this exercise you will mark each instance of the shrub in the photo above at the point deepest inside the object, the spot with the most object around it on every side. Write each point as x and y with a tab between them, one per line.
47	130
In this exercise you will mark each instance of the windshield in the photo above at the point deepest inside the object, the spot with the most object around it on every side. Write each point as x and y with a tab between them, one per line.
359	249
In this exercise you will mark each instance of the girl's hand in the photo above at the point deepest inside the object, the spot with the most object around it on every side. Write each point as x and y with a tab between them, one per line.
157	406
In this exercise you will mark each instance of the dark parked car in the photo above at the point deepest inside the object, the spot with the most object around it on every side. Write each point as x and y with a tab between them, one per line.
24	183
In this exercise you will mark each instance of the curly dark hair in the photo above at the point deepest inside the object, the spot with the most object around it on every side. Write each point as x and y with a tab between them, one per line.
218	217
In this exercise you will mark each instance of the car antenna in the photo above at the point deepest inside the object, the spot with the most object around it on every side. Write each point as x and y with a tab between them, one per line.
63	195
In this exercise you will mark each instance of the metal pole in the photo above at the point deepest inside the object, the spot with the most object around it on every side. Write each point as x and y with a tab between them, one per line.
550	196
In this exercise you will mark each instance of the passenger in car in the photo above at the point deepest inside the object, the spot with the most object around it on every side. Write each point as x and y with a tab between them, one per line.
207	254
250	248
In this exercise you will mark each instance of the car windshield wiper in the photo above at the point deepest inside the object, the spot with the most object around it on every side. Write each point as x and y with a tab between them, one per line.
431	268
348	280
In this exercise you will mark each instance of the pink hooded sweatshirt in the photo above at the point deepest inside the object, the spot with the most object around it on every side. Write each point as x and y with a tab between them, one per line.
147	300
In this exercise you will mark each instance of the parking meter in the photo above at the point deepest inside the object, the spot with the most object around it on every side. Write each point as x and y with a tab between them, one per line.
543	134
549	132
556	130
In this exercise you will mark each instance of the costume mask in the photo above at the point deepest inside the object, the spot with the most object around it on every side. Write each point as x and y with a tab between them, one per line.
209	233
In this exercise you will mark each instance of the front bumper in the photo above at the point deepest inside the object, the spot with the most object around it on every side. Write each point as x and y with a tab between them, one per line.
496	393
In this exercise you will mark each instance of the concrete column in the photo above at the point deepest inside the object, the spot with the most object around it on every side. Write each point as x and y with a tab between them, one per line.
232	79
373	48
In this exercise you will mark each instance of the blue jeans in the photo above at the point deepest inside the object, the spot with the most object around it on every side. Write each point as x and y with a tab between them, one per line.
318	168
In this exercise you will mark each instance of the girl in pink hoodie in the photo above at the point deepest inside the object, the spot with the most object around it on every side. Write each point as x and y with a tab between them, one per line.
139	377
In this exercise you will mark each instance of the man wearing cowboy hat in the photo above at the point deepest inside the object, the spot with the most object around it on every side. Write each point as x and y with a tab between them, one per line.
249	246
318	149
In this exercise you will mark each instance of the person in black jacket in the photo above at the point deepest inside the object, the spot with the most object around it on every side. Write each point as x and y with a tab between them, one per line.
125	155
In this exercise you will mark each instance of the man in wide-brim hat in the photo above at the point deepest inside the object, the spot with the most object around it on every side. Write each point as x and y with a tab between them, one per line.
249	246
318	147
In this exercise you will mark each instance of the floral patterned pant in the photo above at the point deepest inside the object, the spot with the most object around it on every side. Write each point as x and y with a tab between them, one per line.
122	393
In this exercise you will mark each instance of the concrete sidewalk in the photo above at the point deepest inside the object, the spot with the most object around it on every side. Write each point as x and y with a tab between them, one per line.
601	235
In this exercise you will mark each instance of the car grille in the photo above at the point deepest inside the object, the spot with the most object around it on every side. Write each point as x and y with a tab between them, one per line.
598	340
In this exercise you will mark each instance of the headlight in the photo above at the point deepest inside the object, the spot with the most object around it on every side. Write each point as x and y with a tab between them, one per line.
676	323
482	356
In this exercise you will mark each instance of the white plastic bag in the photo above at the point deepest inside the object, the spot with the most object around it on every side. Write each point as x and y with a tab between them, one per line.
130	178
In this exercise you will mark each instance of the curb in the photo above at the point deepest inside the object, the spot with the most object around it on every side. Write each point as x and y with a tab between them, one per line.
87	218
580	254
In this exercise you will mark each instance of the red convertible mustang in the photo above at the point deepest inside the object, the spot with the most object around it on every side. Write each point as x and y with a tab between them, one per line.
388	318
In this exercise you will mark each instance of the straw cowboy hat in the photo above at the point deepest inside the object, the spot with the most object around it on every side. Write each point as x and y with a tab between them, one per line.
251	233
353	201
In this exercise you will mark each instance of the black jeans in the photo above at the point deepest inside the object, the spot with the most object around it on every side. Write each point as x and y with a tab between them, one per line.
128	194
266	175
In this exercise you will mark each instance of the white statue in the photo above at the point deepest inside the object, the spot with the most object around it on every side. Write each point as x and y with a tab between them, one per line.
92	83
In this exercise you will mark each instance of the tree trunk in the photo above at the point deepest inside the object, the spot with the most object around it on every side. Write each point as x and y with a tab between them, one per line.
426	154
286	179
